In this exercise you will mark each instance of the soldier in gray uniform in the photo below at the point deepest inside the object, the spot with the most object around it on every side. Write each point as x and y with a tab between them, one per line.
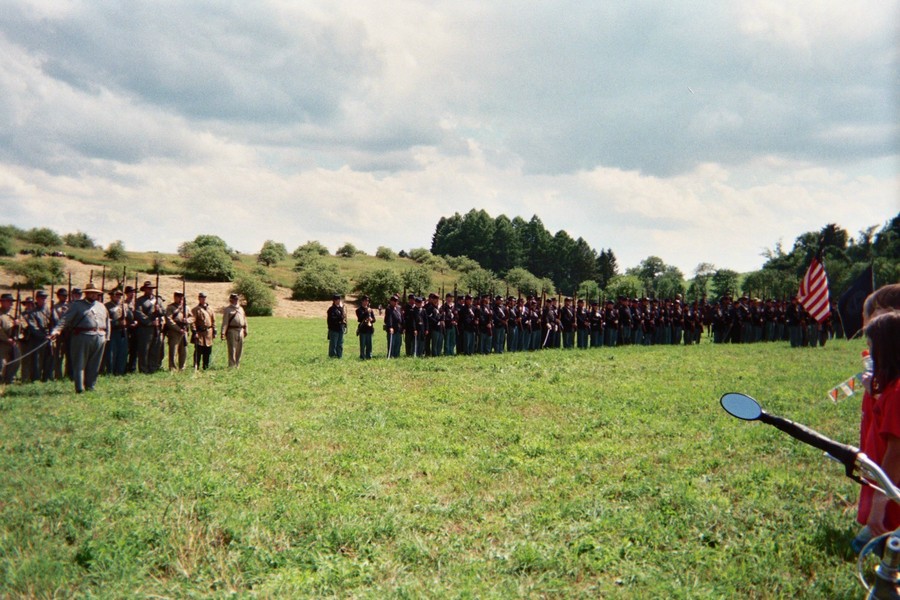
88	323
117	348
37	366
148	314
60	350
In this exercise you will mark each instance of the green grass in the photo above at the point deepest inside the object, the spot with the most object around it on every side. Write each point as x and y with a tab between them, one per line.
600	473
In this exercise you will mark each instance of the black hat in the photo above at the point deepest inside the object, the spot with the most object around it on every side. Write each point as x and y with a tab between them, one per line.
364	297
335	296
128	289
178	294
201	295
62	292
468	297
28	300
148	284
419	299
232	296
411	297
7	297
394	298
41	294
76	290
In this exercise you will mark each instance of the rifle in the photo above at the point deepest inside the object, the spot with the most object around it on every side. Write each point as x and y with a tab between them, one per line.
183	310
124	278
69	295
103	284
91	278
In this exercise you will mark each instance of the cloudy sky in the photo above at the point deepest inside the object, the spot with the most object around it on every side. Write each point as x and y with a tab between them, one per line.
702	131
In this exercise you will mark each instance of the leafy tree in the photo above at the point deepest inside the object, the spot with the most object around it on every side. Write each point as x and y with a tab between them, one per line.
629	286
319	283
188	249
538	245
38	272
6	246
379	285
588	290
13	232
385	253
115	251
417	279
43	237
481	281
582	262
724	281
649	270
419	255
670	283
210	263
79	240
348	250
463	264
271	253
307	260
700	283
505	251
259	297
523	282
547	287
312	246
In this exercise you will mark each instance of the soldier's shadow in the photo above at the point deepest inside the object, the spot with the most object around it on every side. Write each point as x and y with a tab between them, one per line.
33	391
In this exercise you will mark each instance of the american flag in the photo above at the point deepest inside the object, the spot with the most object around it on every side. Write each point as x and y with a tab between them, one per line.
813	294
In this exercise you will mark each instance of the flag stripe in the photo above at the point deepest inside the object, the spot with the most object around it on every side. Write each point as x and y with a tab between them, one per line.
813	294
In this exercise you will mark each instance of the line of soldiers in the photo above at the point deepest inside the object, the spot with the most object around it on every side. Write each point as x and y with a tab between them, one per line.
37	339
485	324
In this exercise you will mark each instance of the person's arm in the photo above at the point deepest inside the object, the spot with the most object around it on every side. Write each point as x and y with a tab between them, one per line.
891	466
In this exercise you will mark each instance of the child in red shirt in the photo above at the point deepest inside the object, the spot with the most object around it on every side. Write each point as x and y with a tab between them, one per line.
882	436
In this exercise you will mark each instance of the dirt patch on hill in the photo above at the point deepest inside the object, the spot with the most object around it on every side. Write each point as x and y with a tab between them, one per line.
217	293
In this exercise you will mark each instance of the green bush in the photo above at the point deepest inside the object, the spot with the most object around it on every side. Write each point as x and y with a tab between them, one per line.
319	283
38	272
480	281
348	250
211	264
115	251
43	237
385	253
259	297
463	264
188	249
420	255
379	285
312	246
6	246
79	239
271	253
416	279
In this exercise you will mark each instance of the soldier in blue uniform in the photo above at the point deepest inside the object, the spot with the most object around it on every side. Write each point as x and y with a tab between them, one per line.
393	327
336	320
365	318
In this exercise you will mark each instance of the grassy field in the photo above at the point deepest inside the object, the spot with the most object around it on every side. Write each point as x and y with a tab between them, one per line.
600	473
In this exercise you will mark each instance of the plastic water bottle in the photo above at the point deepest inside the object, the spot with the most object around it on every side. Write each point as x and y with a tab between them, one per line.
868	363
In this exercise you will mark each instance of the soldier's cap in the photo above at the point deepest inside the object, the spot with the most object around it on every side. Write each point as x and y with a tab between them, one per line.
128	289
117	292
411	297
76	290
468	297
148	284
432	296
232	296
178	294
41	294
498	297
28	300
448	295
7	297
201	295
364	297
90	289
394	298
419	299
335	296
62	292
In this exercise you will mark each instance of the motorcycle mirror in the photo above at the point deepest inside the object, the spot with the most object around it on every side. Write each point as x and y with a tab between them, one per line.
741	406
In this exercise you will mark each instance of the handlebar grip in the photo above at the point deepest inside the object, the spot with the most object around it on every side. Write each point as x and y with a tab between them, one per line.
842	452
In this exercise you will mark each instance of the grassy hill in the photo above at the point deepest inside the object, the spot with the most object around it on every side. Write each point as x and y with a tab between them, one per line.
599	473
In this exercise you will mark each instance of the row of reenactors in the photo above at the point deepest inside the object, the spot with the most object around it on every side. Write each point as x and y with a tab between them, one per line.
485	324
45	341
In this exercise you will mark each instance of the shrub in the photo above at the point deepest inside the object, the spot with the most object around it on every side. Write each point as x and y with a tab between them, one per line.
115	251
420	255
259	297
211	263
307	260
348	250
416	279
319	283
463	264
480	281
6	246
79	240
312	246
43	237
271	253
385	253
379	285
38	272
188	249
